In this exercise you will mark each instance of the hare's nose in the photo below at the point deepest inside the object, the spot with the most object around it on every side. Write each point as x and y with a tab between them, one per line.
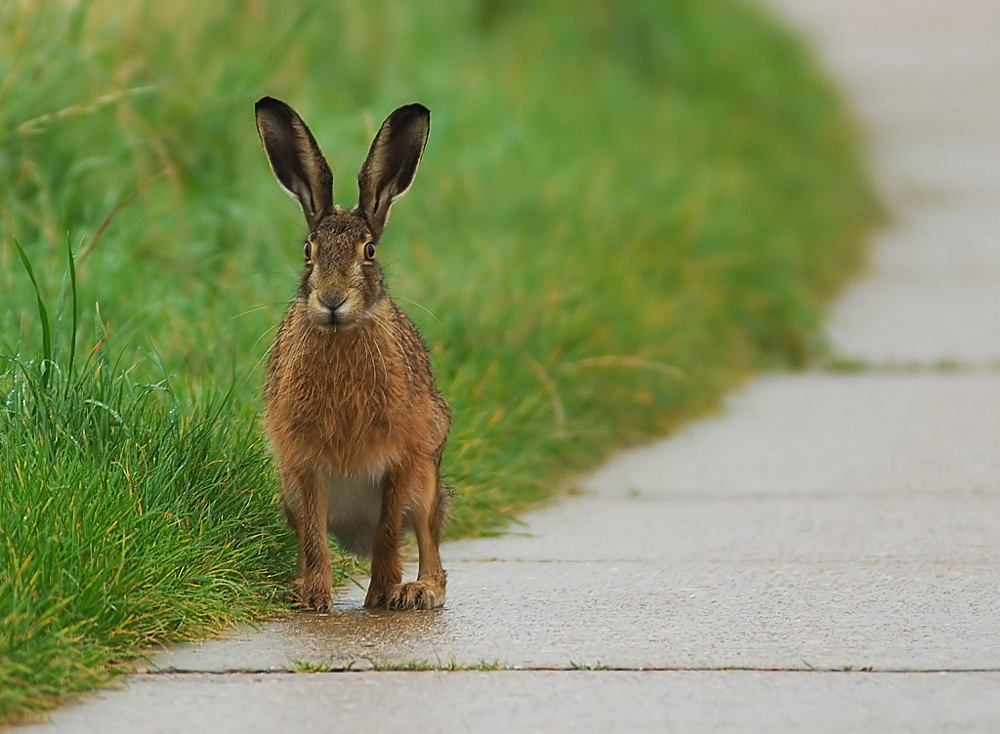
332	304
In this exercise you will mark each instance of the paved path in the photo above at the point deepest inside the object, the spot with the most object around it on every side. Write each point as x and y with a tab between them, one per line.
824	556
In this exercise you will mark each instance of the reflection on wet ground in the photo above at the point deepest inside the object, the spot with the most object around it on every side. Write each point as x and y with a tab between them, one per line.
352	632
349	637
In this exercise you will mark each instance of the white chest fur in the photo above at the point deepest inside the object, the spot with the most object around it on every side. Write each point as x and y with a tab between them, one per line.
353	506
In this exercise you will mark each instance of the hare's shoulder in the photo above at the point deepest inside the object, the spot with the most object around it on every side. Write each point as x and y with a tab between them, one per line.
417	355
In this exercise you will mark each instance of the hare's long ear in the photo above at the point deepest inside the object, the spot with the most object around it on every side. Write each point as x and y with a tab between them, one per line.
295	158
392	163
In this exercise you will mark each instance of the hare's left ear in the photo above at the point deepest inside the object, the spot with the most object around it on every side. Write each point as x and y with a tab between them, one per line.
392	163
295	158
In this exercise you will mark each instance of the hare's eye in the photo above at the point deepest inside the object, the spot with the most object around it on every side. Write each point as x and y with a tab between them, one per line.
307	251
370	251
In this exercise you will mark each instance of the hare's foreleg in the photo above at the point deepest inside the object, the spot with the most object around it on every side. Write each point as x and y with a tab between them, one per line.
427	515
308	516
416	490
387	564
426	511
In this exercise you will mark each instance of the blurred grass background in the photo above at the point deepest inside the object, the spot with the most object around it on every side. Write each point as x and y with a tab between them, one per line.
624	208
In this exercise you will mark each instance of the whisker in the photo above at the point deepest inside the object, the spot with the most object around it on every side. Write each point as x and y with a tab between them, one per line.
421	307
260	338
249	311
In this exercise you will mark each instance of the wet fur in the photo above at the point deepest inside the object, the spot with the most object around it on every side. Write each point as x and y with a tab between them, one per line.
352	410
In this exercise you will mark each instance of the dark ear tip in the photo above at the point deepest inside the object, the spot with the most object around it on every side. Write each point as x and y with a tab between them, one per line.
411	112
270	104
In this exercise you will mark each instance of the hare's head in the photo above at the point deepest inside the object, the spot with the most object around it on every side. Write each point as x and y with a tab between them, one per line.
342	279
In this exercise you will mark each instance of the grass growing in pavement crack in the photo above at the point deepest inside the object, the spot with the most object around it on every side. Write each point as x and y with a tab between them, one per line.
624	209
307	666
851	365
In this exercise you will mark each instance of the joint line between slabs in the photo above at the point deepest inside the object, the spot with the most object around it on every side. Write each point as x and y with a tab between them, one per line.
570	669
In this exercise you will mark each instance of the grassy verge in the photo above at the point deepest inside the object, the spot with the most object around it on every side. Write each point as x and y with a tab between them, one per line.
624	208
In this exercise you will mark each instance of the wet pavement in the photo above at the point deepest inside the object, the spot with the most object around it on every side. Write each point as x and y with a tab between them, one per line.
793	532
823	555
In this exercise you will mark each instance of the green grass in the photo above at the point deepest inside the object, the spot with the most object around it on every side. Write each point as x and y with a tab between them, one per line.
623	209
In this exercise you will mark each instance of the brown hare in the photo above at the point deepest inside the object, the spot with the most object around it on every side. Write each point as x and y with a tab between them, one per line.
352	411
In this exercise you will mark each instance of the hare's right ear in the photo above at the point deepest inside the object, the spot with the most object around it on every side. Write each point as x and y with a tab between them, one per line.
295	158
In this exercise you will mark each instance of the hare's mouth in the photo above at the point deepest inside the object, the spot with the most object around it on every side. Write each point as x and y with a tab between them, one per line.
332	312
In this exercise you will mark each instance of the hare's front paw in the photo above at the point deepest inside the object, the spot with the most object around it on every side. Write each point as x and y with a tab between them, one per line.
417	595
375	597
315	593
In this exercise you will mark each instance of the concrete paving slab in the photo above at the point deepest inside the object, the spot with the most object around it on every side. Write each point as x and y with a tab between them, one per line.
933	288
548	702
821	433
932	293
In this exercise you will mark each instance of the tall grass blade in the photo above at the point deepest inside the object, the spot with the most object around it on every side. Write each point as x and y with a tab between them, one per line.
43	315
76	312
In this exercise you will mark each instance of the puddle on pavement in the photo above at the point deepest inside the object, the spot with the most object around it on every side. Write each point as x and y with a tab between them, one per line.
357	625
343	638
